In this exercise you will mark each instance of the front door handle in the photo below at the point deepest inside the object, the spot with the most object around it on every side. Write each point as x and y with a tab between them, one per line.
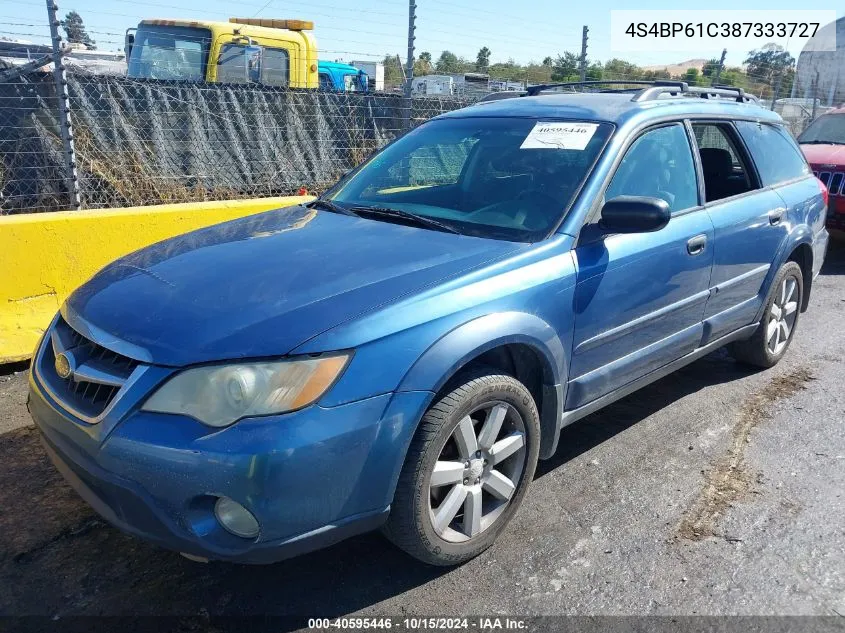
695	245
776	215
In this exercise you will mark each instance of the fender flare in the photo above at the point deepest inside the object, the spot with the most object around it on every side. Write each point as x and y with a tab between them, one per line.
443	359
801	234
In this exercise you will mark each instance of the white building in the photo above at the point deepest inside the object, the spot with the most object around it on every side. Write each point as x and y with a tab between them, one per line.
820	72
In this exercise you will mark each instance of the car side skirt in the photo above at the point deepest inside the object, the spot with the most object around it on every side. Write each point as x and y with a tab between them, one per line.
576	414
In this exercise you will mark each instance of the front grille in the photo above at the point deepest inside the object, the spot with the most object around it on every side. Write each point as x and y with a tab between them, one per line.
97	375
833	181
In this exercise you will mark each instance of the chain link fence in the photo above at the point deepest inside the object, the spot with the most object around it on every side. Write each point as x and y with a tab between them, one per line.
144	142
141	142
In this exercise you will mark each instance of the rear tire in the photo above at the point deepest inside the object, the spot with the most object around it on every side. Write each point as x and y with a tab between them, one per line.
780	319
467	469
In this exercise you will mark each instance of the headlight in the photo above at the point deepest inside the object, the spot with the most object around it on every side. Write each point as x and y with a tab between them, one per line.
223	394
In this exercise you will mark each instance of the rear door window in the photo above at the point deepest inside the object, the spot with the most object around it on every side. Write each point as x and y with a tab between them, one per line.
776	155
724	166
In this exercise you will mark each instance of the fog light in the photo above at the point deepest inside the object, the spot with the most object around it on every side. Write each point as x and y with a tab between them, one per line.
235	518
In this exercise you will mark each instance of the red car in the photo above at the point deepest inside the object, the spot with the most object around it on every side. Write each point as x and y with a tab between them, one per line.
823	143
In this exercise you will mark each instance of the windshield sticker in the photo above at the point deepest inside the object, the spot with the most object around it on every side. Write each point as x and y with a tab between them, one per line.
559	136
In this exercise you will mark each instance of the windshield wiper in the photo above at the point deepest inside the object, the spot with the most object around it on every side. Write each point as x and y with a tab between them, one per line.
419	220
817	142
330	206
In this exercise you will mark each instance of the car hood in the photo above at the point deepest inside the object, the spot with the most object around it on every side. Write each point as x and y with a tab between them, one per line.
261	286
824	154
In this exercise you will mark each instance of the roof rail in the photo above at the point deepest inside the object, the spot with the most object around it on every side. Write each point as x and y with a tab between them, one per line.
533	91
696	91
503	94
651	90
721	90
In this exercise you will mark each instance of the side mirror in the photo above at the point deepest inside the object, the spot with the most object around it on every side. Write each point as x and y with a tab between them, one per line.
634	214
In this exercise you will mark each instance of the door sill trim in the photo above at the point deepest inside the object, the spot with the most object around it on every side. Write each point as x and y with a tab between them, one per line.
591	407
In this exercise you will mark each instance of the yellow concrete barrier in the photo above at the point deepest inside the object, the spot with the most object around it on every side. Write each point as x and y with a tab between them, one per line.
45	256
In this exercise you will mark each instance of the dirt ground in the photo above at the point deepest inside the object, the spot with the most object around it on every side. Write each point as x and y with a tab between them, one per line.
717	490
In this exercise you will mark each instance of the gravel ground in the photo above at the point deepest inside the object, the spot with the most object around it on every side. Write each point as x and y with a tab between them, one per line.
717	490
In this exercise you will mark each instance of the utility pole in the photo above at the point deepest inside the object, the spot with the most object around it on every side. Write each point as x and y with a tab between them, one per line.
584	53
719	68
409	66
776	91
63	100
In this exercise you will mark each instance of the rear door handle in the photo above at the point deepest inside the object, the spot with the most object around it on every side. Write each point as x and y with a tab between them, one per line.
695	245
776	215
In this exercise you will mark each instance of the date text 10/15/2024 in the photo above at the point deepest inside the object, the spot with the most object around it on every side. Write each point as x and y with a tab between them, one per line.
419	624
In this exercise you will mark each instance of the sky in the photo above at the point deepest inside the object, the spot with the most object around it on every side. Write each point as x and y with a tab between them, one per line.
369	29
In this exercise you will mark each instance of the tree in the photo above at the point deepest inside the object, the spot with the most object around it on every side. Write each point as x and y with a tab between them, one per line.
448	63
692	77
548	61
767	63
711	67
75	30
565	66
595	72
620	69
422	66
392	70
482	61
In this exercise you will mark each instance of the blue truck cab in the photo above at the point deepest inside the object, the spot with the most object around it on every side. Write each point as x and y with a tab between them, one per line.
341	77
399	353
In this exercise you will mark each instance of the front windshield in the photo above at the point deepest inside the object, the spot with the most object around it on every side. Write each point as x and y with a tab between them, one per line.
508	178
169	52
829	128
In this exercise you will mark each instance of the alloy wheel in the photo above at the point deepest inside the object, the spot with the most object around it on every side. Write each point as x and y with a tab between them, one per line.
782	316
477	472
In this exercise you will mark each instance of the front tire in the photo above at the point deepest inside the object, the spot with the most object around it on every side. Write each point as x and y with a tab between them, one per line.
467	469
780	319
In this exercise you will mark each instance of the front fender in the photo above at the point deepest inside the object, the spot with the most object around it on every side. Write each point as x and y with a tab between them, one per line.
446	356
454	350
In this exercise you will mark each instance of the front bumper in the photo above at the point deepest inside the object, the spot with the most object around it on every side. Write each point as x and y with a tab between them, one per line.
311	478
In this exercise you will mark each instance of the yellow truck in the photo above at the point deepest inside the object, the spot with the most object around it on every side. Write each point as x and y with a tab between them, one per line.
242	50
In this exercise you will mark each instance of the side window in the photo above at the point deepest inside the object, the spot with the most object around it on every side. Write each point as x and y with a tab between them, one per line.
725	171
239	64
275	67
351	83
325	81
658	165
776	155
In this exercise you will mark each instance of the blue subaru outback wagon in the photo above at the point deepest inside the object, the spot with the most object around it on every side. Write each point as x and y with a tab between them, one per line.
399	353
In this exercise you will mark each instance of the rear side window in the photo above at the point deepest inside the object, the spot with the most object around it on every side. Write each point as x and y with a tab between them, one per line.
776	155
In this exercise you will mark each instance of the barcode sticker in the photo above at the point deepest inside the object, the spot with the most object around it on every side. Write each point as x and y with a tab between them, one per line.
559	136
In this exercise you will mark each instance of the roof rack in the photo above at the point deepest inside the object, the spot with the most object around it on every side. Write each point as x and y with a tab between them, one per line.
700	91
533	91
651	90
